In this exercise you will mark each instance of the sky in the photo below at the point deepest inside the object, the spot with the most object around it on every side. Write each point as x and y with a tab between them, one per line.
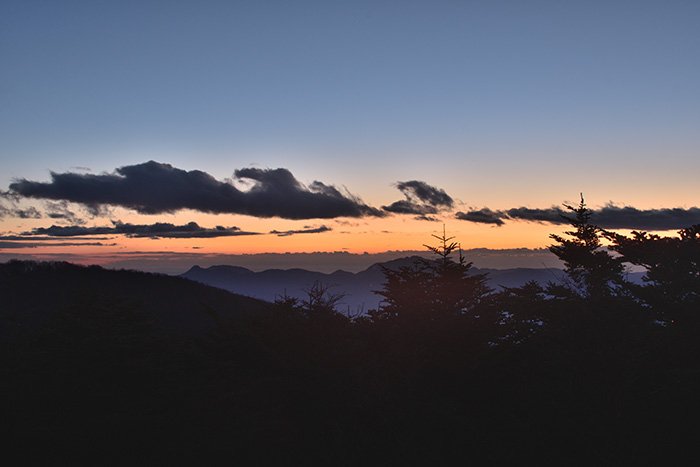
148	112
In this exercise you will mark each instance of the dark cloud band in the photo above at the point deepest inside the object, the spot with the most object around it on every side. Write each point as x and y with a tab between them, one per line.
608	217
157	230
14	245
153	187
481	216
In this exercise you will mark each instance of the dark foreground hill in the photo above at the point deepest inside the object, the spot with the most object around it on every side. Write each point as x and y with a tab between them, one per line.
112	368
34	293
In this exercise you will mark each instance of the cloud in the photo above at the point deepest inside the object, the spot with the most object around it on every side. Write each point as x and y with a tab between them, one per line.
305	230
415	189
13	210
157	230
626	217
11	245
153	188
28	213
425	217
60	210
39	238
481	216
421	199
609	216
553	215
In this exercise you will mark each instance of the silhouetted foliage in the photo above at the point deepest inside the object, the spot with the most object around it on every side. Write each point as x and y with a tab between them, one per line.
522	311
672	264
406	292
593	273
321	300
433	289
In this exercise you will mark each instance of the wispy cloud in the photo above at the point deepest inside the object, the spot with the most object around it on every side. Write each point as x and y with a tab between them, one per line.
421	200
306	230
9	208
40	238
60	210
13	245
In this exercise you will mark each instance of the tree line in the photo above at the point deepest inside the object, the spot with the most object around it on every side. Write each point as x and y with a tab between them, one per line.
596	262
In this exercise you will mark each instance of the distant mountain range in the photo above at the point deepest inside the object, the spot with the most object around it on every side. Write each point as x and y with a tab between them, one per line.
358	287
33	291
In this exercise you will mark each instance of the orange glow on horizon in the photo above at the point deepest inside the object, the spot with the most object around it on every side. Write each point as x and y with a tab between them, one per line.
371	235
374	236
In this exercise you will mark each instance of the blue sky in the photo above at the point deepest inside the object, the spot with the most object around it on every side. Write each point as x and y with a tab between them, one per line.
311	84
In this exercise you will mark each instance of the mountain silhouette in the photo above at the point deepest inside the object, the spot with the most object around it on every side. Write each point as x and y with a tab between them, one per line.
358	287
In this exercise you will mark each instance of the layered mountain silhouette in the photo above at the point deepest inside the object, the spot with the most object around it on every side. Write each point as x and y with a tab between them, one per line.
358	287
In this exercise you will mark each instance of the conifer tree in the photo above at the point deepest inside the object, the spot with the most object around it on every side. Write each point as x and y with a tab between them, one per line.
454	289
672	266
433	289
593	273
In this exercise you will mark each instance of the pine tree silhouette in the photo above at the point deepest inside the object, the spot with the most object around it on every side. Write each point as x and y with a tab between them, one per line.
431	289
592	271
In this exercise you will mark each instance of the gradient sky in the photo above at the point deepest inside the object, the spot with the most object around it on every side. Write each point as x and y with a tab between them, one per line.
500	103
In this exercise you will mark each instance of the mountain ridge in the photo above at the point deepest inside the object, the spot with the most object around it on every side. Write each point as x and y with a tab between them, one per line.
358	287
